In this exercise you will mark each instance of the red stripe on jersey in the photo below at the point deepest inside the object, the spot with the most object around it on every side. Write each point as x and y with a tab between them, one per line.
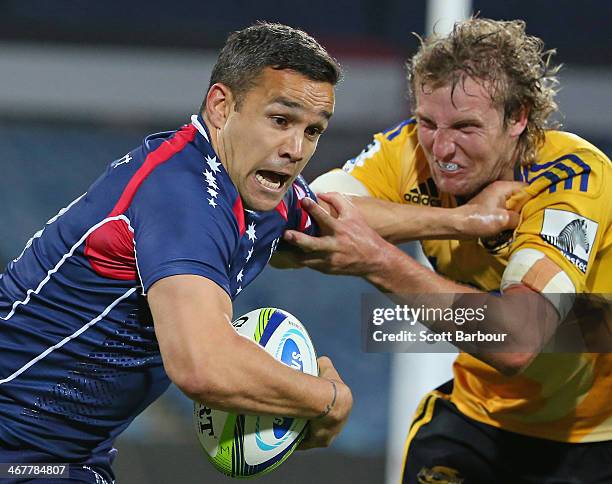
304	217
110	248
282	209
238	210
165	151
110	251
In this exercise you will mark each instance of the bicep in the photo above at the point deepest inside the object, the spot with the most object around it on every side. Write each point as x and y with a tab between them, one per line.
192	317
176	231
538	294
533	269
378	169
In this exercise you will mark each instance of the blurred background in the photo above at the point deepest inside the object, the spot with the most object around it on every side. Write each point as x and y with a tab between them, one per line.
81	83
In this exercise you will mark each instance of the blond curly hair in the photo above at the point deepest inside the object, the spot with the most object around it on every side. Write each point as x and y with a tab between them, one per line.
513	65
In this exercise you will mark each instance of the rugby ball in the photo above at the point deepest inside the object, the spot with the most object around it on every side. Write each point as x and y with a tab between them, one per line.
251	445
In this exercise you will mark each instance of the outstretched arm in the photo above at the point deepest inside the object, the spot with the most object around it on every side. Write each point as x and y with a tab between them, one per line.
349	246
484	215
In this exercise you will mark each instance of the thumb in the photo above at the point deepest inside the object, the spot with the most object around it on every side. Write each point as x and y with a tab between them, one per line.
326	368
513	219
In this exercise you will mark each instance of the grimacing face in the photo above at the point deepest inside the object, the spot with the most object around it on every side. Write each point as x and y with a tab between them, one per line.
464	138
265	144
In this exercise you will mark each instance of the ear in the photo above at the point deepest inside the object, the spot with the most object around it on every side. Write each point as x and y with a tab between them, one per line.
518	122
219	103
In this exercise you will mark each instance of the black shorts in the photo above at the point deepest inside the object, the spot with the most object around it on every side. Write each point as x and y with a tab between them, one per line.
445	446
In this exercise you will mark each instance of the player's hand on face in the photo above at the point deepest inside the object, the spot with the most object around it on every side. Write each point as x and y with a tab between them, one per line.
347	244
487	213
322	431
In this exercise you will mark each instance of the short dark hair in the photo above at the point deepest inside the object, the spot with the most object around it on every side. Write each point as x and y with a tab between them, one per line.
247	52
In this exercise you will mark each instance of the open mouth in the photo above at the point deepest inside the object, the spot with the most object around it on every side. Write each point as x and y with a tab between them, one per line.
271	180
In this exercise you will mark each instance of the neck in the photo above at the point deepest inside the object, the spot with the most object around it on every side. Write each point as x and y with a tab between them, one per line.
508	173
215	140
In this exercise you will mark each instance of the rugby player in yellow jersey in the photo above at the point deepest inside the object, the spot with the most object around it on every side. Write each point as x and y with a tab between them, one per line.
482	97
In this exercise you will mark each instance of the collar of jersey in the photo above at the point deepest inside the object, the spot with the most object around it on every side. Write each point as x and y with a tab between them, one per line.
198	122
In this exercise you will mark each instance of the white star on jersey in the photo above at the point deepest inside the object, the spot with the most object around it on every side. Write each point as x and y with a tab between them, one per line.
212	162
238	290
251	232
210	179
212	192
249	254
212	203
240	276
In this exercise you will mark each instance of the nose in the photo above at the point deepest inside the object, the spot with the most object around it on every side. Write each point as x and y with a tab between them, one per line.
293	146
443	145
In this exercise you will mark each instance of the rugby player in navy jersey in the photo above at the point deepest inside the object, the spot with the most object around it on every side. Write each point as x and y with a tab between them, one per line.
130	286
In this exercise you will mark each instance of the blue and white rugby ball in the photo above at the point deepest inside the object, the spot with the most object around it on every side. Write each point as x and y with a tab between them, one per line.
250	445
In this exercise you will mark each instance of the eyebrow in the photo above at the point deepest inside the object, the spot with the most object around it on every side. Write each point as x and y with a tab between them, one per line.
467	120
296	105
419	114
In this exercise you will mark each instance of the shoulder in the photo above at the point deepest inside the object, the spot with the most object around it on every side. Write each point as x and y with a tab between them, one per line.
568	163
399	137
387	144
569	206
401	131
181	182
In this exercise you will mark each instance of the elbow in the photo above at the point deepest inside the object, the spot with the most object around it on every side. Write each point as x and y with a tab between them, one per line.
191	383
201	387
201	373
199	382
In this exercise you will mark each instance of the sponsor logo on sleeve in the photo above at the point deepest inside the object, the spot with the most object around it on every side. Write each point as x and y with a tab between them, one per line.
571	234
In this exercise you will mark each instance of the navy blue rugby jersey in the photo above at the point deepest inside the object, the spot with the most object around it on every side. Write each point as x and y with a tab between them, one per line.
78	354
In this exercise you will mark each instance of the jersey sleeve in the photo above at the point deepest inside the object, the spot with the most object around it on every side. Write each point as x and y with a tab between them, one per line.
561	229
378	166
181	227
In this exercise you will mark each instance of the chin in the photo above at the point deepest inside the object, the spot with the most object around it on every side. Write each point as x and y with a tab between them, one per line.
456	187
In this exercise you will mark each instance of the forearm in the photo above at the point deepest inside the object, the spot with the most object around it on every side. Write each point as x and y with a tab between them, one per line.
395	222
485	215
257	383
527	319
400	223
211	363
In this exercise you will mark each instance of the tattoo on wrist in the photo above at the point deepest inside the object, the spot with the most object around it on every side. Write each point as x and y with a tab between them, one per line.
329	406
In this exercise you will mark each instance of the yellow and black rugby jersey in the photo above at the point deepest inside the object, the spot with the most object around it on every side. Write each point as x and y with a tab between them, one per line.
562	244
